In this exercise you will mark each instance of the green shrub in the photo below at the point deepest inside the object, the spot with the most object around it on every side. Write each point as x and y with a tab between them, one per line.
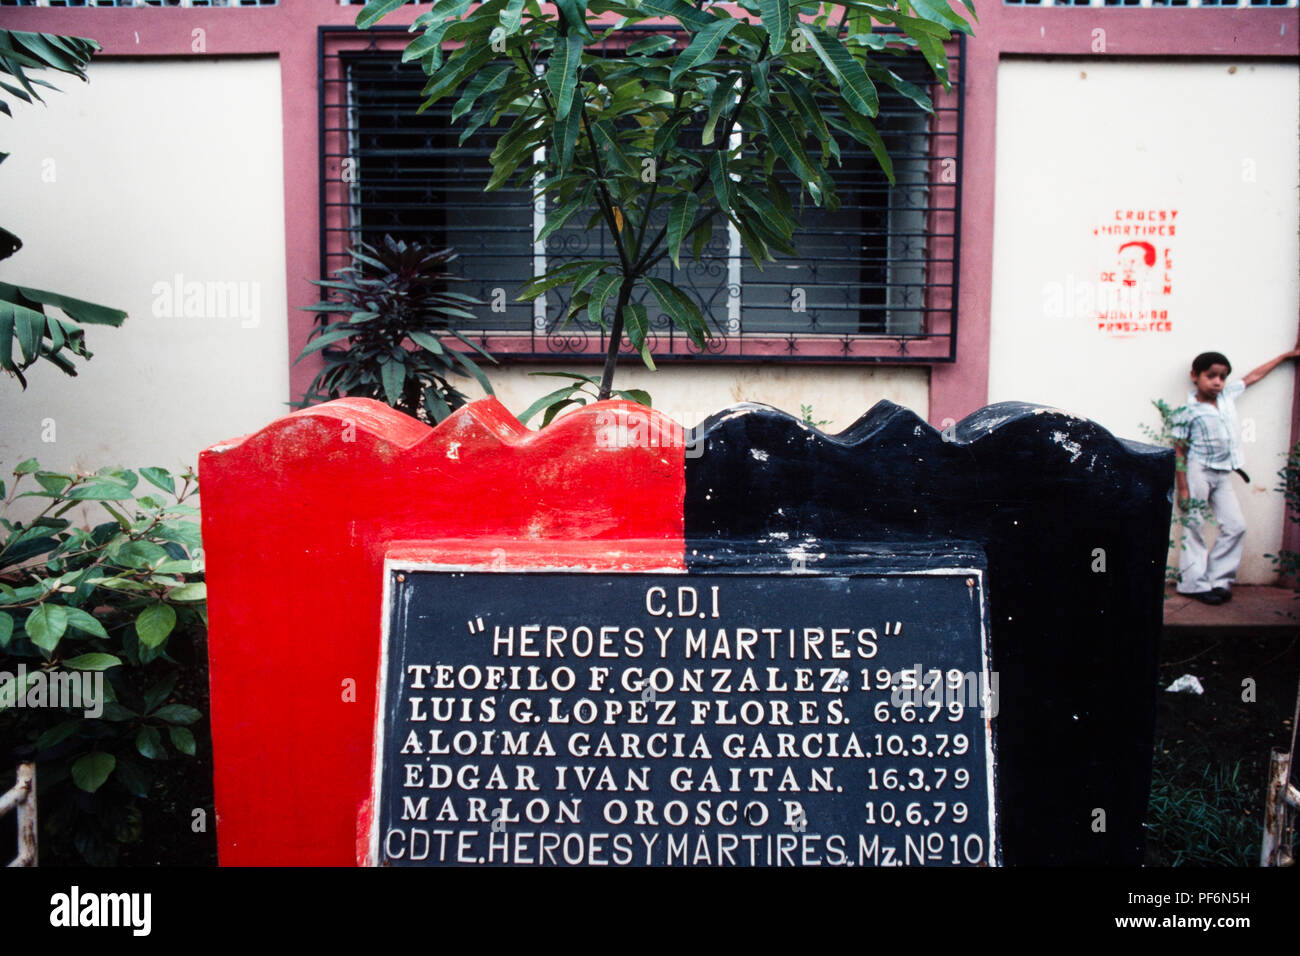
112	600
1203	813
1195	507
390	296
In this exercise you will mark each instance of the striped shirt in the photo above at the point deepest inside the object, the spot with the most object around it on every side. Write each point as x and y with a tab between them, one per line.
1210	429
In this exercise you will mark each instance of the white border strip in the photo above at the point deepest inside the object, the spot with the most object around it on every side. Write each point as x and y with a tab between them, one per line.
391	565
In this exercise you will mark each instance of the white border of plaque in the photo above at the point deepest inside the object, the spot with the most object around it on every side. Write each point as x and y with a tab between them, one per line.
580	564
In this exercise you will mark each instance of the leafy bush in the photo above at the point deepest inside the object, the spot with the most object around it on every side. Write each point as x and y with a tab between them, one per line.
1202	814
389	296
1196	507
1288	562
113	599
806	416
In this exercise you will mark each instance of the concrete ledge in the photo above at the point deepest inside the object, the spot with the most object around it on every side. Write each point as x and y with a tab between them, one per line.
1253	608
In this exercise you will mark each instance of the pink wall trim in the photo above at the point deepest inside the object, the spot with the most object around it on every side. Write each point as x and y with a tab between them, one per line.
289	32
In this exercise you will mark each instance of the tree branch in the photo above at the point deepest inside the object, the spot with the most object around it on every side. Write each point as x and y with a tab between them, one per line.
606	206
615	337
642	264
654	187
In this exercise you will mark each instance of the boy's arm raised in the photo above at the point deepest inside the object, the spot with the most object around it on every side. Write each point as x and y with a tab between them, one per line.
1256	374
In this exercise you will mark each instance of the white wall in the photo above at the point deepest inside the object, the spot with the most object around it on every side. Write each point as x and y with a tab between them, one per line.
1216	141
153	169
690	393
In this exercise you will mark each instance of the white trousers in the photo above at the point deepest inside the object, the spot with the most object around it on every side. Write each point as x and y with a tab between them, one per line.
1218	569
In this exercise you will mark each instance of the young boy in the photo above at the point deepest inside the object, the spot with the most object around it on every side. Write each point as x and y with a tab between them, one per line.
1207	442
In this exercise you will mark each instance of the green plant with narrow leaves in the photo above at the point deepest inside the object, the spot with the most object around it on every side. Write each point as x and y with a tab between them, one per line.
693	126
1202	813
24	320
1287	562
122	598
1193	508
585	388
806	416
388	297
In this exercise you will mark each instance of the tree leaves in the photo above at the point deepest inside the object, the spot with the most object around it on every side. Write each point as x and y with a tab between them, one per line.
573	18
42	336
511	16
685	14
91	770
565	132
92	662
21	51
787	145
557	276
154	624
376	10
616	135
701	49
805	103
855	86
46	624
601	291
182	739
638	328
718	177
149	743
650	46
681	308
938	11
680	217
486	81
86	623
776	22
719	98
562	75
861	129
177	714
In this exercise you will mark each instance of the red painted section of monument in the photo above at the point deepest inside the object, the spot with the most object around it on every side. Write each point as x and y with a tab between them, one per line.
297	521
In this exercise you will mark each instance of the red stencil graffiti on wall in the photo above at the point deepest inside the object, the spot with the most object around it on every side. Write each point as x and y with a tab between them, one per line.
1135	255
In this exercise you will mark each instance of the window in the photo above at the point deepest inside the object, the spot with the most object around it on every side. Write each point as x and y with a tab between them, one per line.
874	280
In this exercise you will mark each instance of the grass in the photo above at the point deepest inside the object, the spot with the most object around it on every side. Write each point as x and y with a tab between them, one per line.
1202	813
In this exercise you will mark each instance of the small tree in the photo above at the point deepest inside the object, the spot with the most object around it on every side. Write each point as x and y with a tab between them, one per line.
23	319
614	127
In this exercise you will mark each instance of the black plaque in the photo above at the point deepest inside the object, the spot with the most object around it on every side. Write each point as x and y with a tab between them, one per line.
838	718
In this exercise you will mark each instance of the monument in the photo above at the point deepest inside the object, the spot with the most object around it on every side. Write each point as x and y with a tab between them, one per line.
614	643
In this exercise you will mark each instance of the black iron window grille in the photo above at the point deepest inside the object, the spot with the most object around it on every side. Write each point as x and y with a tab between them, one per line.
874	280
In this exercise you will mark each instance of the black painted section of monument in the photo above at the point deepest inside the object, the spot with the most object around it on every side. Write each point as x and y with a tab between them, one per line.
1051	499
